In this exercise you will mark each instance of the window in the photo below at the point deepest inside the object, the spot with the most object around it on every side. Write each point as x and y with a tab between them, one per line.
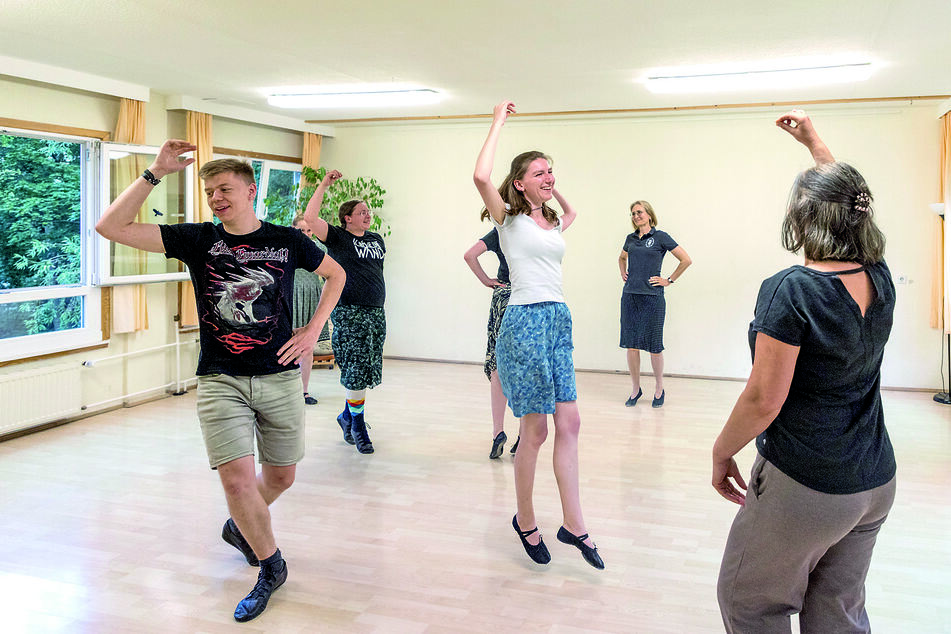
47	198
167	204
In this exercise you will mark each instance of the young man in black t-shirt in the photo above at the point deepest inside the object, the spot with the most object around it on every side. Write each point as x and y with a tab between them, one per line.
249	383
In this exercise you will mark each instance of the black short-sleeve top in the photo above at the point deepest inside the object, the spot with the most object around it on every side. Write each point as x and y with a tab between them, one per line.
491	241
830	433
362	259
244	290
645	254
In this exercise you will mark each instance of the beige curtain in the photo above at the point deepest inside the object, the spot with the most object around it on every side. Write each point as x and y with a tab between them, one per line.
311	152
198	125
944	195
129	307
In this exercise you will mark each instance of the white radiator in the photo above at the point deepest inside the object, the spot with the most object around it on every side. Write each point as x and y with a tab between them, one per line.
39	396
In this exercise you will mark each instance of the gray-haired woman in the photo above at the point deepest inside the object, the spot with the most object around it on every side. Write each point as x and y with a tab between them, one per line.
824	477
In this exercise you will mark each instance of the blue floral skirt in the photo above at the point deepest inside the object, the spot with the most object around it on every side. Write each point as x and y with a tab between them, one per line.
534	357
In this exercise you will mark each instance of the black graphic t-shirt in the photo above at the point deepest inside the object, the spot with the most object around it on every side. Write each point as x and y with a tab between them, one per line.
491	242
244	289
645	254
362	259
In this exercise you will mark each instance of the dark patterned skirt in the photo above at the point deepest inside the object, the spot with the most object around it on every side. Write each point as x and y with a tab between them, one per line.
357	340
500	299
642	322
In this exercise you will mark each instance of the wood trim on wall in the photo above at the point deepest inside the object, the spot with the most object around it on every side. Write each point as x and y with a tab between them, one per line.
628	111
257	155
36	126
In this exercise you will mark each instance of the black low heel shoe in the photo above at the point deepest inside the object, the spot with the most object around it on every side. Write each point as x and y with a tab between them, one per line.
590	554
538	552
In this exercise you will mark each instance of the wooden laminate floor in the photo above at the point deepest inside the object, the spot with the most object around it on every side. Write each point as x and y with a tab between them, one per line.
111	524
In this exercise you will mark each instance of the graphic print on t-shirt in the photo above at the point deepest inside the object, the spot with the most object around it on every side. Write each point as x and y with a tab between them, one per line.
243	301
369	250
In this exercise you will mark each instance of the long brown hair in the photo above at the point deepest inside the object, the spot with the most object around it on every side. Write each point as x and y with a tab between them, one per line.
515	201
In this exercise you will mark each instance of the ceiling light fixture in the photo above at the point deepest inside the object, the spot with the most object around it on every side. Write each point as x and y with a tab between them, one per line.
356	98
760	78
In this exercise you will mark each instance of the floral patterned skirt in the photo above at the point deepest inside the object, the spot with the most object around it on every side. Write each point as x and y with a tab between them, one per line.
500	299
357	340
534	357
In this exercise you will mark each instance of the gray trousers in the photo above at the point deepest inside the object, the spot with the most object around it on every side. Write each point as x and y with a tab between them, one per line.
794	550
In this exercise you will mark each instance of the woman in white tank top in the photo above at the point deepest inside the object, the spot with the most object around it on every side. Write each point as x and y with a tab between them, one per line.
534	347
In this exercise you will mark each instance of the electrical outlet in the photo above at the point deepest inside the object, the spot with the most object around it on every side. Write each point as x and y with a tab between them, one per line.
902	279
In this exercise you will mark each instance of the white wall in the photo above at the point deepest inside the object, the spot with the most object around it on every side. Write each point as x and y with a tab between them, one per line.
718	182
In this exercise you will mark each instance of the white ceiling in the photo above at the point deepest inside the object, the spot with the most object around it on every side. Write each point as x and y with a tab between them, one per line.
545	56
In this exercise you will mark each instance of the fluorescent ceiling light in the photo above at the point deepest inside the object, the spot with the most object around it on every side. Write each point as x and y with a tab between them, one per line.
355	98
753	78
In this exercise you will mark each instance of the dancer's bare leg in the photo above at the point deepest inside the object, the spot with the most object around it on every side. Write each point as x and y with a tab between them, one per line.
565	461
498	403
657	364
533	430
634	366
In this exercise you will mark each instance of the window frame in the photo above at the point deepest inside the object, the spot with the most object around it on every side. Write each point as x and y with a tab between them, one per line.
103	275
90	333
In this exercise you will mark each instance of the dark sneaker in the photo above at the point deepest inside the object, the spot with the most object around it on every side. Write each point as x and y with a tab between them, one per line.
309	400
498	445
345	426
270	578
231	534
360	437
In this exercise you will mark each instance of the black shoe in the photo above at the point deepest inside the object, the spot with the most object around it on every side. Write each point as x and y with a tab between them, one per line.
659	401
515	446
231	534
309	400
360	437
270	578
538	552
498	445
345	426
632	401
590	554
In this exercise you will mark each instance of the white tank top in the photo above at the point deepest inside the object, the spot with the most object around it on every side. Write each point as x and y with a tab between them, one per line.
534	256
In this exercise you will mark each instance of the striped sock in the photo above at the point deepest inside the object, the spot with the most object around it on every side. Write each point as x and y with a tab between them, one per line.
355	406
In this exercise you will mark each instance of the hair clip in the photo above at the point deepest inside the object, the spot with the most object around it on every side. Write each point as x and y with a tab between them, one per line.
862	202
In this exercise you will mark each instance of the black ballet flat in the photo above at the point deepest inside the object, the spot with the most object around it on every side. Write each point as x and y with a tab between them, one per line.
537	552
632	401
590	554
659	401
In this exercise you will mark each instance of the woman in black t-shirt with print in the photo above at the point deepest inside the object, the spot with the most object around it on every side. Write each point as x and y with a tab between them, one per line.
824	477
643	306
359	321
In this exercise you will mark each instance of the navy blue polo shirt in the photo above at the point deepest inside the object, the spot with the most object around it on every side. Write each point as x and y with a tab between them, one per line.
491	241
645	254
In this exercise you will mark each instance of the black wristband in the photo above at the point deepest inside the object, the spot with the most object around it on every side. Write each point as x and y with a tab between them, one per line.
670	280
149	176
